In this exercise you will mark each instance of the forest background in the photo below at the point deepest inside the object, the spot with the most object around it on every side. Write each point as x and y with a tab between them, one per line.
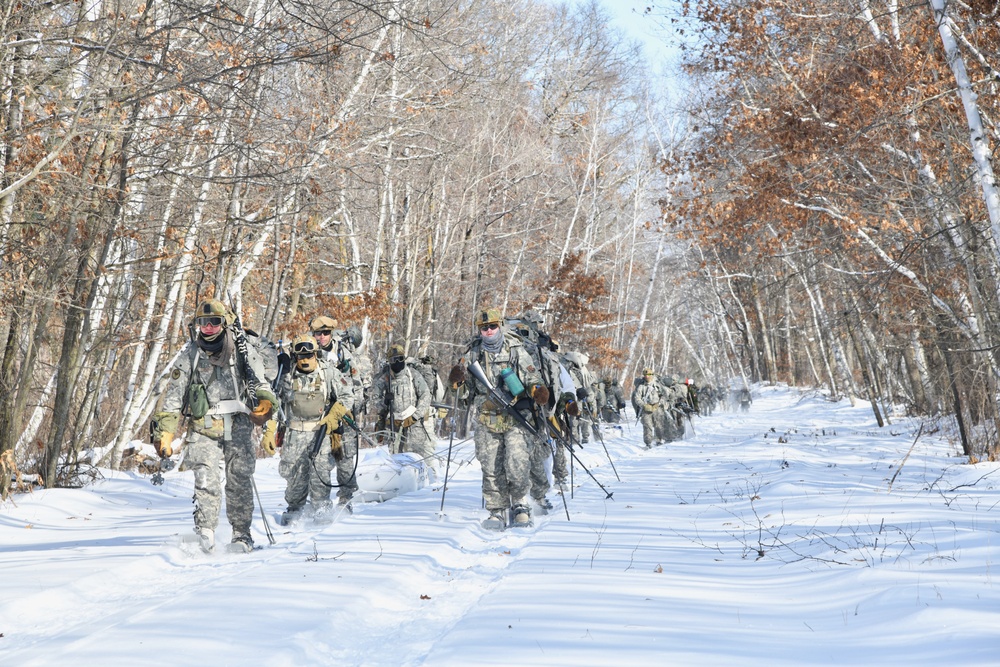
816	205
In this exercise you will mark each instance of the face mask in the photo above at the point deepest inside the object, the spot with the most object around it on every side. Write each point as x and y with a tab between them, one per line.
397	365
306	364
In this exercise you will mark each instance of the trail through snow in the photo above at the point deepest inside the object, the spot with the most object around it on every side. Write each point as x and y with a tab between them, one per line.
769	537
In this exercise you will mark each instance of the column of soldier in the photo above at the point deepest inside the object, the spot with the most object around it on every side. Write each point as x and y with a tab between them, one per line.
528	402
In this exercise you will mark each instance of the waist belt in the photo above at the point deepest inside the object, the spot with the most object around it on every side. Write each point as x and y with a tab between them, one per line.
228	407
303	424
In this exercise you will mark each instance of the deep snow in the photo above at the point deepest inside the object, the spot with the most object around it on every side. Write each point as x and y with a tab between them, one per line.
765	538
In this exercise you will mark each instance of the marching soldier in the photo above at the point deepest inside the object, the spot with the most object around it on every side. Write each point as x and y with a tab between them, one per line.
317	397
217	381
502	441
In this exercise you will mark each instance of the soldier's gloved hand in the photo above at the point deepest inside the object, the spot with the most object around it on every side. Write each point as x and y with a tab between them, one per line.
572	408
260	414
457	376
540	393
582	393
442	413
269	441
334	415
165	448
648	407
336	445
407	423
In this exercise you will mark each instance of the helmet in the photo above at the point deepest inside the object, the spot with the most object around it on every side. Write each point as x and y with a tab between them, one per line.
322	323
668	380
304	345
488	316
214	308
397	350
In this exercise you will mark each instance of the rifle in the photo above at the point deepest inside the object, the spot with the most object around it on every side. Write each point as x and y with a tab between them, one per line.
243	355
505	402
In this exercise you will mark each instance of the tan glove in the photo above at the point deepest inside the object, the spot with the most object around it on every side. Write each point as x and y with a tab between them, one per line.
648	407
406	423
165	448
333	416
442	413
260	414
336	445
269	441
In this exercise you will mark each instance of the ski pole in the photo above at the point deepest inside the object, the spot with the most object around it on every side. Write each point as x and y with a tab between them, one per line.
451	441
260	506
597	430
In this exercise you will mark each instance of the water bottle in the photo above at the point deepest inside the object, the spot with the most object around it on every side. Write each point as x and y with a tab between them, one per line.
512	382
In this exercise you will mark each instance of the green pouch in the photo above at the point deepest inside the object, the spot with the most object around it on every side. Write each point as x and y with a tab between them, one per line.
197	400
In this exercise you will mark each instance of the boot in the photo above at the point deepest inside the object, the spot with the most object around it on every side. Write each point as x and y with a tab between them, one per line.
497	520
206	539
521	516
242	543
290	515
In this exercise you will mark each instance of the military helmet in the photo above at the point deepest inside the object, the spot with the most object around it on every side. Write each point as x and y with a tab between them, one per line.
647	372
668	380
322	323
304	345
397	350
488	316
214	308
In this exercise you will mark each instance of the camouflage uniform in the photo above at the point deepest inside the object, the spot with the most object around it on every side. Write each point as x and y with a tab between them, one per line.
502	446
402	396
576	364
337	350
306	397
225	431
648	402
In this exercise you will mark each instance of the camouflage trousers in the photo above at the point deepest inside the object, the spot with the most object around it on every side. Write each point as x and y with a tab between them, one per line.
415	440
506	462
541	452
347	481
306	477
203	456
652	426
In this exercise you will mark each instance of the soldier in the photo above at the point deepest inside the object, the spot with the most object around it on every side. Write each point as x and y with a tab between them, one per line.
216	386
336	348
647	401
615	399
502	441
544	447
435	387
576	364
402	401
315	395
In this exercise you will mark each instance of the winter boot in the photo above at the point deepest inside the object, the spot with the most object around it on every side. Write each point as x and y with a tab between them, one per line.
242	543
544	505
206	539
496	521
289	516
345	505
324	513
521	516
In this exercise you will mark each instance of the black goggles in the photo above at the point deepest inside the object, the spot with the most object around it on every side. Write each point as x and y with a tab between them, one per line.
209	321
303	349
322	332
489	327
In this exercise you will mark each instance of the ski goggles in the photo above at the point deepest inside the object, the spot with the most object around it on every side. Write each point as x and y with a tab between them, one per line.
303	349
492	326
209	321
323	332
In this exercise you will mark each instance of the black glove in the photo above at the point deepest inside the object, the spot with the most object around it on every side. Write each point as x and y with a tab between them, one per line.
582	393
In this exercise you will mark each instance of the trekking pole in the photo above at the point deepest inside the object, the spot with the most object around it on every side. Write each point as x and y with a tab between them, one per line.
600	437
573	456
260	505
451	441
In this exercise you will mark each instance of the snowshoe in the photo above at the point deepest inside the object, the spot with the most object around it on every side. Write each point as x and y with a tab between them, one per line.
521	517
289	516
497	520
241	544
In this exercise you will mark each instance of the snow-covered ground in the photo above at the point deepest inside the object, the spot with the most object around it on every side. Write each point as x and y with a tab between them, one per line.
765	538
